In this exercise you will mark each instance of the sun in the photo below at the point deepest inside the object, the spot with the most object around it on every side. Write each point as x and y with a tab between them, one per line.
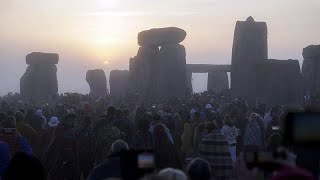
106	62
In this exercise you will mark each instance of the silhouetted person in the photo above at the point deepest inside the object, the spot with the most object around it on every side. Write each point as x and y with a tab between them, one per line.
215	149
166	154
199	169
112	166
143	139
10	135
23	166
123	123
62	155
86	146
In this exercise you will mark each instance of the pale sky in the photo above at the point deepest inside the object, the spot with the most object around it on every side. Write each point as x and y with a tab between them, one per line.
87	33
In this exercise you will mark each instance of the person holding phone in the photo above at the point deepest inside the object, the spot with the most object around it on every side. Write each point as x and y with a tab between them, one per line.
10	135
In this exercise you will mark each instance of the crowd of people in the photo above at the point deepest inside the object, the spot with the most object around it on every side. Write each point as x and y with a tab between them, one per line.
202	137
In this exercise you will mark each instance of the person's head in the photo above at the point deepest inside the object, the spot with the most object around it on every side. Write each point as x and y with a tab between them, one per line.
159	130
177	117
4	105
126	113
39	113
10	113
10	122
253	117
274	111
30	113
235	113
227	121
211	126
197	116
202	127
274	142
23	166
53	122
69	120
3	116
209	107
118	114
160	113
262	108
143	124
111	111
162	144
199	169
119	146
22	111
156	117
86	121
172	174
19	116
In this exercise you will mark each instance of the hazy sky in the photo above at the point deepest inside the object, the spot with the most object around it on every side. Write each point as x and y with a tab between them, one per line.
87	33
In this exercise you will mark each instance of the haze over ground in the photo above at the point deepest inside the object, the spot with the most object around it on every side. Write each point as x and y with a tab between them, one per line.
89	34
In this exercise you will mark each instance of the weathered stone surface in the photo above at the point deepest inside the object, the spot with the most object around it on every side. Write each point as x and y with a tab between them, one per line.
39	82
310	70
250	47
170	72
141	69
42	58
157	74
189	88
280	82
161	36
119	83
218	82
211	69
311	51
98	83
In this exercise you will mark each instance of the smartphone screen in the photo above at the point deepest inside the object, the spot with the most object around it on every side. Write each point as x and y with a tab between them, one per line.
306	127
146	161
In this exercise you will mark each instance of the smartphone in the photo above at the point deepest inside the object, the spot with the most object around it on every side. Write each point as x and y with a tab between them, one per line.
261	160
302	129
9	130
146	161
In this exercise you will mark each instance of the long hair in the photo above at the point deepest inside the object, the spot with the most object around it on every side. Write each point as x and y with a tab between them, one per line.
161	140
164	151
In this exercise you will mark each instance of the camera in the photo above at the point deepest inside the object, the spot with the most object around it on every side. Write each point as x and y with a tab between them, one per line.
302	129
9	130
267	161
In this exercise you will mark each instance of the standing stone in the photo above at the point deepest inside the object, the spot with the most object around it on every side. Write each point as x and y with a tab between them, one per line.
310	70
158	72
142	71
39	82
171	72
280	82
218	82
98	83
189	88
250	47
119	83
